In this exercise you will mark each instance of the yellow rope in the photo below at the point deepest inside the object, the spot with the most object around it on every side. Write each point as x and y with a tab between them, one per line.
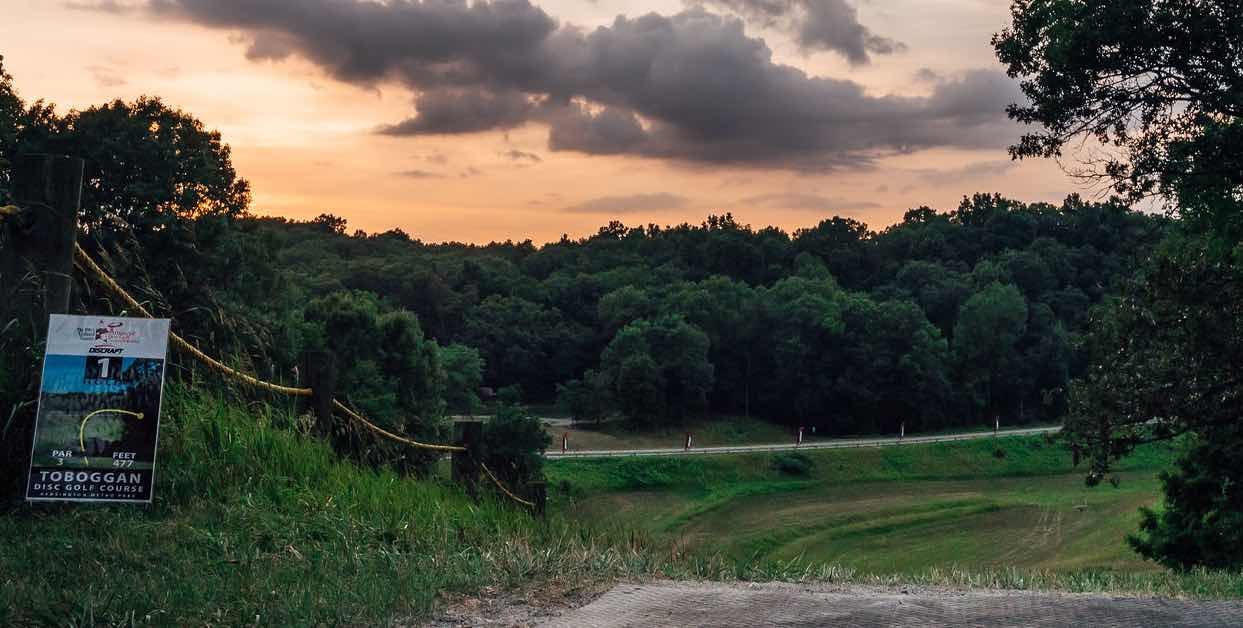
502	487
84	260
383	432
86	263
9	210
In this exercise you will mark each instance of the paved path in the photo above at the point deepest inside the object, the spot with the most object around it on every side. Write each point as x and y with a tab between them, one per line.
725	606
822	444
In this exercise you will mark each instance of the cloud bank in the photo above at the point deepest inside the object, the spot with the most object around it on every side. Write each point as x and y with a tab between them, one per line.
829	25
691	87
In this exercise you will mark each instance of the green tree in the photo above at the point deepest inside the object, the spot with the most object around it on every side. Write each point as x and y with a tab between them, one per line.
148	165
937	289
728	312
585	399
387	370
514	442
1145	77
894	367
463	367
803	316
524	343
658	369
1158	83
842	243
985	337
1201	524
12	112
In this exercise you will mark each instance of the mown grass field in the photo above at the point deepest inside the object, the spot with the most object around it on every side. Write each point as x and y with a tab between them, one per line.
977	505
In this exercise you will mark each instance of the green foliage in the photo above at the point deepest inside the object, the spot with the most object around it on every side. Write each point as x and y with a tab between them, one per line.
795	464
387	369
254	519
12	110
658	368
514	442
1201	522
1160	82
585	399
1140	76
985	338
463	367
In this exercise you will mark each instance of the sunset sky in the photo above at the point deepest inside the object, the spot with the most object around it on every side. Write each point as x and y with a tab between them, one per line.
478	122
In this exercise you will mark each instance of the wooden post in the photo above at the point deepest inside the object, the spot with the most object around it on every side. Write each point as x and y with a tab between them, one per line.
36	279
321	375
47	189
468	434
539	495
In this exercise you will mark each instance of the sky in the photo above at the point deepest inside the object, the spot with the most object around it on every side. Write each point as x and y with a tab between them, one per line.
481	121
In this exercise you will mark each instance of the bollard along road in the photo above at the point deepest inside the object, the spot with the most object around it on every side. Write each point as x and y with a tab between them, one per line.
843	443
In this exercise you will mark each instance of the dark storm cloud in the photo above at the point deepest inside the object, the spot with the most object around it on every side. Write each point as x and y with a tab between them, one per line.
452	111
630	204
815	25
691	87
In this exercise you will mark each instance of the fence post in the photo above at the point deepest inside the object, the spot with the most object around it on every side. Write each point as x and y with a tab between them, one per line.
539	495
36	279
48	190
468	434
321	376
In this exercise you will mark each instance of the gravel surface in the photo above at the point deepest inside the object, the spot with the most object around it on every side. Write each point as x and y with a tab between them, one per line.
727	605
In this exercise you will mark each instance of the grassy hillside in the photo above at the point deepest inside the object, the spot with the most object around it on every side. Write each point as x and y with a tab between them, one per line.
256	523
977	505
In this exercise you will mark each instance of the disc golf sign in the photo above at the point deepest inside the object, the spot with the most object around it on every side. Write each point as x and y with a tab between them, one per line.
99	410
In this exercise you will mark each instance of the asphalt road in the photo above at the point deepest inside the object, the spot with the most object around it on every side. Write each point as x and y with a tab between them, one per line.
890	441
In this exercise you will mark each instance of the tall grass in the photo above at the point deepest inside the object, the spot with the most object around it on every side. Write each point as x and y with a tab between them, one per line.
255	522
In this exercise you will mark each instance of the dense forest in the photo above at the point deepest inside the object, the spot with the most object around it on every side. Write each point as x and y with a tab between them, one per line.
946	319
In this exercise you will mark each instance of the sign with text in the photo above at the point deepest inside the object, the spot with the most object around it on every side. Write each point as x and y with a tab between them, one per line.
99	410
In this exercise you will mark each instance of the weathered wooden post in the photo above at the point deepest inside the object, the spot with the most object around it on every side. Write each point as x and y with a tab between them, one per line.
47	189
321	375
468	434
539	495
36	279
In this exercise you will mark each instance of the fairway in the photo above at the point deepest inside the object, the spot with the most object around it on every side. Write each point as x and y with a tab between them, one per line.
900	511
1045	522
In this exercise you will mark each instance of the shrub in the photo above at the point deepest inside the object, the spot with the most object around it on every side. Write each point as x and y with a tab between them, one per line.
793	464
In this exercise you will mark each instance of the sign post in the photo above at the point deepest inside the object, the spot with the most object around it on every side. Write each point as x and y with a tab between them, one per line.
99	410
